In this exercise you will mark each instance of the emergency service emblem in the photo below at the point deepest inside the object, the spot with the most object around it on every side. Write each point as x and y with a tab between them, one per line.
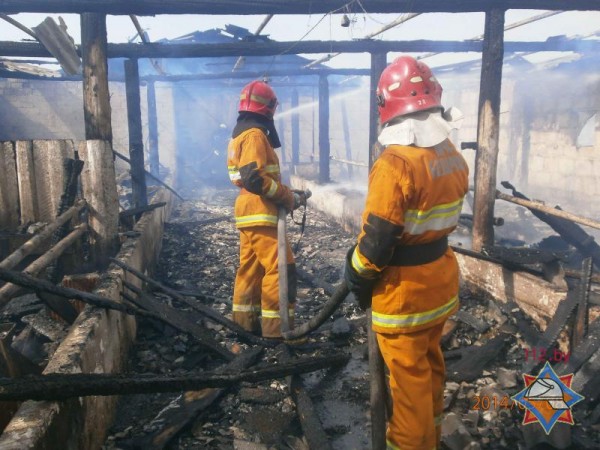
547	398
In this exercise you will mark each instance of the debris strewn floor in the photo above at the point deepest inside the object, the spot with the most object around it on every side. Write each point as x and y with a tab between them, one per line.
199	257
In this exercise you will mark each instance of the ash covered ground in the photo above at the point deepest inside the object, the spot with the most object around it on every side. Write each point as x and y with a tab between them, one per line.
202	259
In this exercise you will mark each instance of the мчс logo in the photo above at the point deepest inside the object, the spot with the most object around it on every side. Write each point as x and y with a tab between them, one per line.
548	398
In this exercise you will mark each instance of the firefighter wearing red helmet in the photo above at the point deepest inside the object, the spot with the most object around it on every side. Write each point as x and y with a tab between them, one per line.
402	266
254	168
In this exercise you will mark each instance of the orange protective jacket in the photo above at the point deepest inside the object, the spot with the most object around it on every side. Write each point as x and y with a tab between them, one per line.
415	197
254	167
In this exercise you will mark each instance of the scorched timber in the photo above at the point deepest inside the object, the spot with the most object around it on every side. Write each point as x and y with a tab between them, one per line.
210	7
205	310
24	280
186	407
64	386
157	50
32	244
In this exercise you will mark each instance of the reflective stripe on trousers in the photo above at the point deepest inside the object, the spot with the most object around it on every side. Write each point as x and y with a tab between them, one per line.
256	289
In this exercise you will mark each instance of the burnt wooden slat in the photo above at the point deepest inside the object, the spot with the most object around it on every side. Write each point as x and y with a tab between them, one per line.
187	406
62	386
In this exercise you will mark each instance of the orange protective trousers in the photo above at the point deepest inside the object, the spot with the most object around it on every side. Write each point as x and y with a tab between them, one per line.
417	376
256	290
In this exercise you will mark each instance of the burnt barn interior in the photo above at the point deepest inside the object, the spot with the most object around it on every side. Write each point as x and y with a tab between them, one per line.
118	248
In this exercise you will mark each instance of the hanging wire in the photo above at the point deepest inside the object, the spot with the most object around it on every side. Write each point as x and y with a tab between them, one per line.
287	50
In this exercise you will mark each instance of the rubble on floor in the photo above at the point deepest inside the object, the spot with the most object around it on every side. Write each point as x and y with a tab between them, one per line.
484	347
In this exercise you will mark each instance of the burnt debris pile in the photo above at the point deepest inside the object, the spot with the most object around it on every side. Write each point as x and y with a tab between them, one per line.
488	346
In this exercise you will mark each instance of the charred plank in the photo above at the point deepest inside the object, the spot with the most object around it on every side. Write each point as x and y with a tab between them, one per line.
470	368
187	406
205	310
63	386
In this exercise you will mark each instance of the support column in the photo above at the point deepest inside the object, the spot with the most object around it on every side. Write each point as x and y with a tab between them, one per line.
295	130
378	63
98	176
488	129
152	128
136	140
96	98
324	148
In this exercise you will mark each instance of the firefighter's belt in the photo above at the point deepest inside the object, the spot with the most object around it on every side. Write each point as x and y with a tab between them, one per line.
417	255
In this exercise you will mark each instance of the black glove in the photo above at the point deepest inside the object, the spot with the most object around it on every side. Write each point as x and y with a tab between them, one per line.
361	287
299	198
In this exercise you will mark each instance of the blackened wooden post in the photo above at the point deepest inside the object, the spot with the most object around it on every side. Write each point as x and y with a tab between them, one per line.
152	129
378	63
98	176
324	148
96	98
378	391
295	129
488	129
136	140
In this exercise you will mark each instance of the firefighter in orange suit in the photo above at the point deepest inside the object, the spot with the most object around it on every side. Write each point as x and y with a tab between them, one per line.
402	266
254	167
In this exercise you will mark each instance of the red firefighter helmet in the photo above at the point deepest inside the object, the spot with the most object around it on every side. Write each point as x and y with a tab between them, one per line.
407	86
258	97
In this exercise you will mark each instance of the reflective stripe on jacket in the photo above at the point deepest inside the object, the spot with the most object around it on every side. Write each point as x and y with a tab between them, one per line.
253	166
415	197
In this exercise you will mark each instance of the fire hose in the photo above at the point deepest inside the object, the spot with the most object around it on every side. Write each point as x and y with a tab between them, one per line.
328	309
316	321
282	257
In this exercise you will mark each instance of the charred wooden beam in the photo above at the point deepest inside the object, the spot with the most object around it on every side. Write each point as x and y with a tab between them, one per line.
582	353
100	190
8	290
96	97
32	244
324	144
309	420
178	320
187	406
154	158
136	140
140	210
205	310
583	297
25	280
549	210
488	129
210	7
158	50
378	64
64	386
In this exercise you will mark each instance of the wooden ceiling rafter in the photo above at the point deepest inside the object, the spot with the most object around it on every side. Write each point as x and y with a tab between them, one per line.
234	49
251	7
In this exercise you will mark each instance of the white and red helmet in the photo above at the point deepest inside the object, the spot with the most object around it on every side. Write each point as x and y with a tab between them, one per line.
407	86
258	97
